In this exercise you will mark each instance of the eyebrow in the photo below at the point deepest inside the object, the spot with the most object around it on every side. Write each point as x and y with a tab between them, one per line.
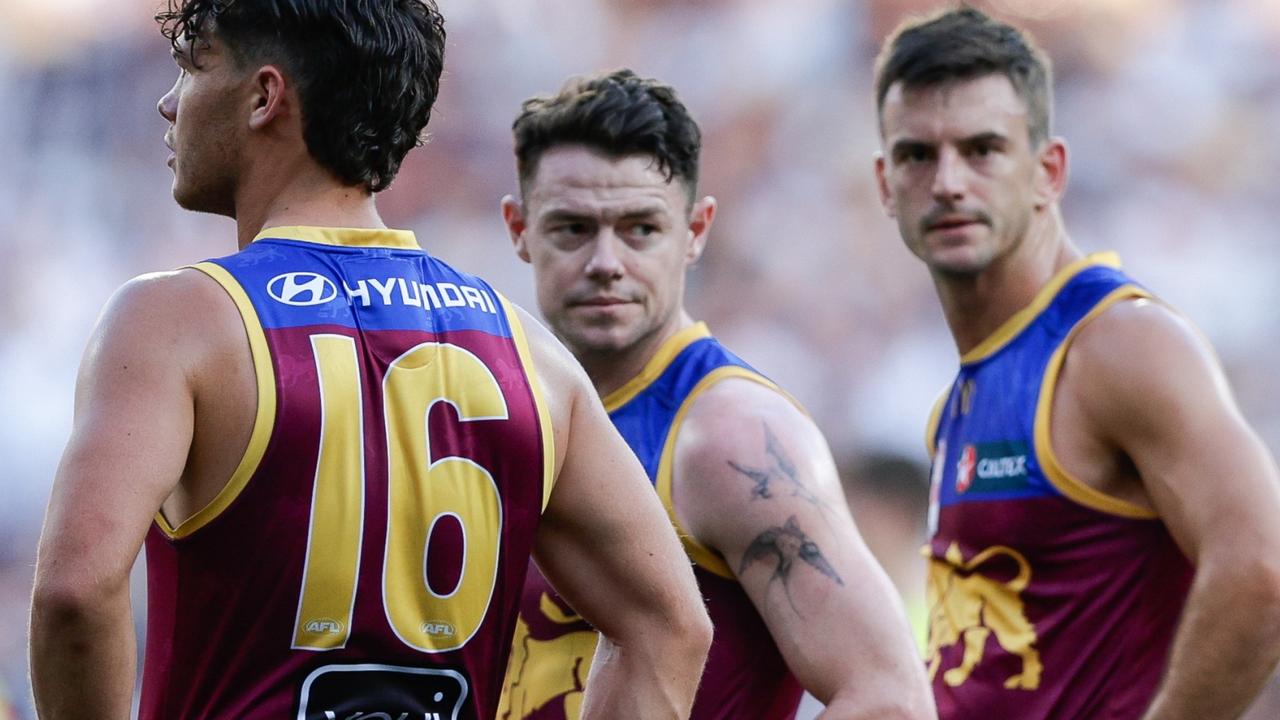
564	214
576	214
990	136
903	145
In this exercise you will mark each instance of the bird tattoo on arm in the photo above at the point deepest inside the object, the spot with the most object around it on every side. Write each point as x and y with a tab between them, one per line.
779	469
785	544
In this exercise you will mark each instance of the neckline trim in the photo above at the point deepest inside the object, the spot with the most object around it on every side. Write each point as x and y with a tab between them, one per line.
1014	326
657	365
343	237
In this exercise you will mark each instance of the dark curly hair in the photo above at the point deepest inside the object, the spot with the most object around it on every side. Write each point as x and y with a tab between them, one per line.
367	71
965	44
618	113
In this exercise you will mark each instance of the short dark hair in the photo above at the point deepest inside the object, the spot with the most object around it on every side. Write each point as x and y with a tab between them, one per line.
367	73
617	113
964	44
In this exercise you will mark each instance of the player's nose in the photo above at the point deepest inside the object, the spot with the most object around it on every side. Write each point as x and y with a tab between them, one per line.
605	262
948	177
167	106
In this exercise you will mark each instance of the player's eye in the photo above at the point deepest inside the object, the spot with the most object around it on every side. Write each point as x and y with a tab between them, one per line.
570	228
912	154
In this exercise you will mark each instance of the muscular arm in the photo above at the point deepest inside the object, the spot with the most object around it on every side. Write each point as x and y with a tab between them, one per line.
754	480
132	429
607	546
1165	405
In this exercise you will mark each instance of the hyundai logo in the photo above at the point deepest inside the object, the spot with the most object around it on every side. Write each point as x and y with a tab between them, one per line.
302	289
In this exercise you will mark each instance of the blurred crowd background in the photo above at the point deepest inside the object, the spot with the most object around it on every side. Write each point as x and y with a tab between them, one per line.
1170	107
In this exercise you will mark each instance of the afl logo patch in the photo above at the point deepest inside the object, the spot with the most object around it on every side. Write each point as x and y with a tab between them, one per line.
324	626
302	289
965	468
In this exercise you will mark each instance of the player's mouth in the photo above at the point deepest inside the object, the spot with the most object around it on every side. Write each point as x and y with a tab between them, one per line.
948	223
606	304
599	301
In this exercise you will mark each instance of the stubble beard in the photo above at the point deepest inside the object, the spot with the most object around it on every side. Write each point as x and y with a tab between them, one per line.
205	195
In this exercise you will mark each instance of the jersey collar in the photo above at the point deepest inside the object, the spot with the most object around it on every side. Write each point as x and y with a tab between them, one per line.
656	366
1021	319
344	237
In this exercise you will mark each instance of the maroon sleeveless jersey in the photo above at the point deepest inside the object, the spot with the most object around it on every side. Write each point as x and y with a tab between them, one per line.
1048	599
366	558
745	675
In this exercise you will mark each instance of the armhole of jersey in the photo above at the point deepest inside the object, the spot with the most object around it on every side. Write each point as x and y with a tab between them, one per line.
264	419
935	417
1067	484
539	400
708	559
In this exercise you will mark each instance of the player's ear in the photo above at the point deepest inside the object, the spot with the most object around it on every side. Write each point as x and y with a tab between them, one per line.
513	216
882	184
701	216
1051	172
267	98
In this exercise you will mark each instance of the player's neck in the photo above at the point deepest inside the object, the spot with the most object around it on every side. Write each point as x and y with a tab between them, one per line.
610	371
976	306
304	196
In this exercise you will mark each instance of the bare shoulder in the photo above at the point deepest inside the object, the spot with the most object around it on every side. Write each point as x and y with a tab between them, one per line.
174	316
746	449
1125	333
1139	358
155	296
739	414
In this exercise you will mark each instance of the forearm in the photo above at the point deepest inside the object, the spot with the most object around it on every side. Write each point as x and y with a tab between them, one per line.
881	683
1226	647
859	711
82	655
644	679
873	703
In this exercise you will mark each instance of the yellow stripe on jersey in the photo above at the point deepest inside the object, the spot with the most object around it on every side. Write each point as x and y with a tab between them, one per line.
935	417
345	237
656	366
539	399
709	559
1016	324
264	420
1065	482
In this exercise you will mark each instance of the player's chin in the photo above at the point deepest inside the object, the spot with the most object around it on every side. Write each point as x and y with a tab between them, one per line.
184	195
601	338
184	200
959	260
188	199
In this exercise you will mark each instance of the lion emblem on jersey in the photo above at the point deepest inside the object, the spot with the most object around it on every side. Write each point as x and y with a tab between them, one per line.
967	606
546	677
